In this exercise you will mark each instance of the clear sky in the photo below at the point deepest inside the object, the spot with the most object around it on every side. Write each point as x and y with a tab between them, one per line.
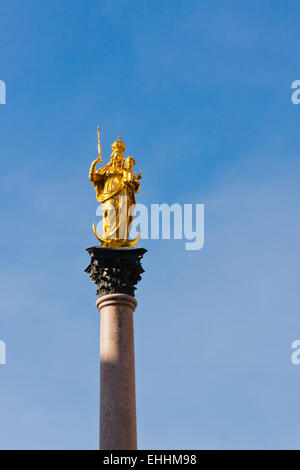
200	92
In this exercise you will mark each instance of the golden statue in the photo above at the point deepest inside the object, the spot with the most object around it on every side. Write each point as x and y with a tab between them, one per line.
116	185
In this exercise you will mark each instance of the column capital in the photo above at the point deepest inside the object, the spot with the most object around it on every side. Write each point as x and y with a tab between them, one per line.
115	270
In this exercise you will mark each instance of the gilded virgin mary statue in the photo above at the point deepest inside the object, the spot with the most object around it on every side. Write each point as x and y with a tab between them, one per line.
116	185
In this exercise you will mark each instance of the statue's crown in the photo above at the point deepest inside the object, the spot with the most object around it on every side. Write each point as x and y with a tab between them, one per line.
118	145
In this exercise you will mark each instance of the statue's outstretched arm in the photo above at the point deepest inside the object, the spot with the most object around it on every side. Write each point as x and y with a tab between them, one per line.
93	173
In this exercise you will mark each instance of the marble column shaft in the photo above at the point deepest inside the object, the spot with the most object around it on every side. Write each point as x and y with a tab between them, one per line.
117	373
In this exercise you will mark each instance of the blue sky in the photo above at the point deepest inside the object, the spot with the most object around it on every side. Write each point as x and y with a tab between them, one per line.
201	93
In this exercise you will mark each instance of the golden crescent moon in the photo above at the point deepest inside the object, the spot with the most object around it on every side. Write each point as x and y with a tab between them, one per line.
115	243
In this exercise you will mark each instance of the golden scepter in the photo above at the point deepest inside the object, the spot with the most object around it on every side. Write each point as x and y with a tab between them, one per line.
99	145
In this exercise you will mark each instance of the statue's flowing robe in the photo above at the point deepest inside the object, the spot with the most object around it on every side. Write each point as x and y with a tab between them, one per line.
117	197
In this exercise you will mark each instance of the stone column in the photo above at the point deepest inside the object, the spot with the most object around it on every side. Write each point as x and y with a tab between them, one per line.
116	271
117	376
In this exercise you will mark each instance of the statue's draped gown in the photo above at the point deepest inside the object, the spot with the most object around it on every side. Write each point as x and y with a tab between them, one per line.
117	197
